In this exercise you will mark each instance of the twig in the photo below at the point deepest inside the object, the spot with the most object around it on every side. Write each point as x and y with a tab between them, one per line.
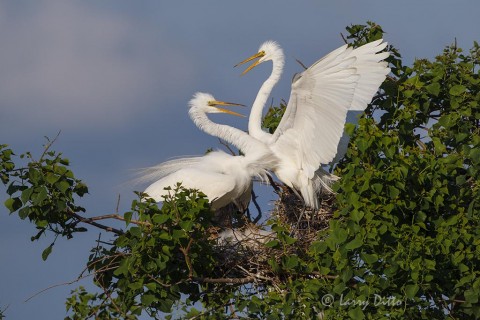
273	184
95	224
325	276
58	285
119	217
49	144
226	145
301	63
109	296
255	275
343	37
161	283
187	258
224	280
118	203
255	203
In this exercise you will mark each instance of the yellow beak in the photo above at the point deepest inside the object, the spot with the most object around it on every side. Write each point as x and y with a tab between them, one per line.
253	65
216	103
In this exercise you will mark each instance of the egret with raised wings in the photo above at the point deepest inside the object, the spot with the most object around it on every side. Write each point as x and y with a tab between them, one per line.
309	132
224	178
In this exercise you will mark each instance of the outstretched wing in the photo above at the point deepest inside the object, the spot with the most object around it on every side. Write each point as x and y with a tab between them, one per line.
372	71
320	99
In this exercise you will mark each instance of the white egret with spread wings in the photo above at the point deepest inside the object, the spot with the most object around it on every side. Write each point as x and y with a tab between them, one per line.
310	131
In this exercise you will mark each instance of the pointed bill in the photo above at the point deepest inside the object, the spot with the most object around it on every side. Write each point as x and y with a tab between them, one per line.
253	65
216	103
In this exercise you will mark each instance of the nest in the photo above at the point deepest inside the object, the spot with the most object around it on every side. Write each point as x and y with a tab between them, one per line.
304	221
245	249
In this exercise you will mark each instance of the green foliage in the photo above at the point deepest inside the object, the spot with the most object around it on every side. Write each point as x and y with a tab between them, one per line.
408	198
163	254
43	191
272	118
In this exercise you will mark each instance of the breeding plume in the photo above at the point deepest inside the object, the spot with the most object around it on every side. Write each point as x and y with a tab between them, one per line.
222	177
309	132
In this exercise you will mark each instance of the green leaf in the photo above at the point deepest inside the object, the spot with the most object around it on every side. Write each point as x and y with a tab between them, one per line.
272	244
40	195
355	243
339	235
433	88
377	187
356	313
350	128
51	178
475	155
147	299
411	290
13	204
471	295
47	252
369	258
128	217
135	285
135	231
179	234
457	90
290	262
26	194
122	268
24	212
160	218
357	215
393	192
362	144
186	225
34	175
62	186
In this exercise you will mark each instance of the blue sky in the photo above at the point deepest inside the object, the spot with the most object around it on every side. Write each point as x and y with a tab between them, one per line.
115	77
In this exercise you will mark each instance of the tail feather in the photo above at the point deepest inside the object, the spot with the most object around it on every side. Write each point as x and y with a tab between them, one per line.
164	169
321	183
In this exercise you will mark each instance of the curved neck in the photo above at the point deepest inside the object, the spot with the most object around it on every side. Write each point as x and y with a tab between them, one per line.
234	136
255	119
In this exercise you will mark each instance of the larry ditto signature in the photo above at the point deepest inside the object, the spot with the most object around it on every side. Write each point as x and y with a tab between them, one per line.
329	299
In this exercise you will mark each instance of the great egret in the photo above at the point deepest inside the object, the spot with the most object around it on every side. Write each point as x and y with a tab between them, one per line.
309	133
222	177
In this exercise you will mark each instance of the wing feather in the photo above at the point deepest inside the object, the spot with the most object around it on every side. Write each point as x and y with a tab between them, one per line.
345	79
216	186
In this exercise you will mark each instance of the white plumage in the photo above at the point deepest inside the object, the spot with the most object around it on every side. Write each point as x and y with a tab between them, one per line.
307	137
222	177
309	133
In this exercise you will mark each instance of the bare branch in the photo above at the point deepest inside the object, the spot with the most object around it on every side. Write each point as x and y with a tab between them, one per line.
224	280
226	145
301	63
49	144
95	224
257	206
187	258
119	217
58	285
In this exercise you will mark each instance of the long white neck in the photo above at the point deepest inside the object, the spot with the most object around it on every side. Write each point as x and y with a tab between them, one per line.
255	119
234	136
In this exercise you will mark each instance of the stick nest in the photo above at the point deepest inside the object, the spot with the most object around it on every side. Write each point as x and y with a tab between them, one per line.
252	256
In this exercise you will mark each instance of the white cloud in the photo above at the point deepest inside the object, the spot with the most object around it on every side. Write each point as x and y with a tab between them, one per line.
69	64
